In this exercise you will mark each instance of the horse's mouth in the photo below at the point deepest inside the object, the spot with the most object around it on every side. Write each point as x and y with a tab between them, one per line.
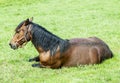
16	45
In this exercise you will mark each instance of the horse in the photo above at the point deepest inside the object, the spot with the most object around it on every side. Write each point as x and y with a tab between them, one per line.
55	52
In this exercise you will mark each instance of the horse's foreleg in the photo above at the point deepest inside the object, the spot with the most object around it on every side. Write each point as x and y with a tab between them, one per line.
35	59
37	65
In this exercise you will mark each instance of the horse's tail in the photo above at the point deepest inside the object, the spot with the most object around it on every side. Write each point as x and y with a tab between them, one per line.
112	54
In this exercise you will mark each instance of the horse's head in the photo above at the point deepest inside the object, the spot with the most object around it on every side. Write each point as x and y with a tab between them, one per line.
22	34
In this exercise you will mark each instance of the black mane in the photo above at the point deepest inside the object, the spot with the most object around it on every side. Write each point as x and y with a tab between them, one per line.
47	40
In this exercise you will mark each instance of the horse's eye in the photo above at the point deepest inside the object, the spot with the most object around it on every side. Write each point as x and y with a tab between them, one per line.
17	31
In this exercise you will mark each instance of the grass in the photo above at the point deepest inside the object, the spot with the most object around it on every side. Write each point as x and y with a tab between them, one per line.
67	19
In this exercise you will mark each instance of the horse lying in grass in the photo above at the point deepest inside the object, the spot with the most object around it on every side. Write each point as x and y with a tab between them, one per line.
55	52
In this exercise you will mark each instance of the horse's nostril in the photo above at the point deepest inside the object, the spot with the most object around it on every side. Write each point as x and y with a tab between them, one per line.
10	45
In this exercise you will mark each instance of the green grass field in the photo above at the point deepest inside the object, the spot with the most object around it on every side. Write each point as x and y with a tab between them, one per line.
67	19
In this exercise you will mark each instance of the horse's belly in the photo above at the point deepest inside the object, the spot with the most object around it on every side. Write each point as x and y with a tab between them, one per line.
80	55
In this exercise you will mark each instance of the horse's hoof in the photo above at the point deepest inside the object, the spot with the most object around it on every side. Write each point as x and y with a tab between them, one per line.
30	60
35	65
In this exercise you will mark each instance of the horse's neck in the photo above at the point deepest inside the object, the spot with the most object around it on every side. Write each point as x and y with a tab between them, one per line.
43	39
47	41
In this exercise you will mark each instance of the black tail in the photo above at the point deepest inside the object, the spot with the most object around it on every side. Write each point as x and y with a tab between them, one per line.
112	54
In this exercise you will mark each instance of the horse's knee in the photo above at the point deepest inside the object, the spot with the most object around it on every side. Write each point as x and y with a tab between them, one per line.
56	65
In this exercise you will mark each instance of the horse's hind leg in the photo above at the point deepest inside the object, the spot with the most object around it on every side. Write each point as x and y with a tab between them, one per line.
94	56
35	59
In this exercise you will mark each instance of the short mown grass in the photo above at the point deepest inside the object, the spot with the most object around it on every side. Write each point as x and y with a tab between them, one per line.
66	19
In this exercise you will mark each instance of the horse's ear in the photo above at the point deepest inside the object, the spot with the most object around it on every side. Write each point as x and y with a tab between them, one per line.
26	22
31	19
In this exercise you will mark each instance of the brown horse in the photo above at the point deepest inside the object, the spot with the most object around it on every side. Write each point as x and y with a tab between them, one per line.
55	52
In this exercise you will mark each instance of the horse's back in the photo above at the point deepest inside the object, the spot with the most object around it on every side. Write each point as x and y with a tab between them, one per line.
92	42
86	40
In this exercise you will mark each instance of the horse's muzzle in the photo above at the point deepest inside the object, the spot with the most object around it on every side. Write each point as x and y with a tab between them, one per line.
13	46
